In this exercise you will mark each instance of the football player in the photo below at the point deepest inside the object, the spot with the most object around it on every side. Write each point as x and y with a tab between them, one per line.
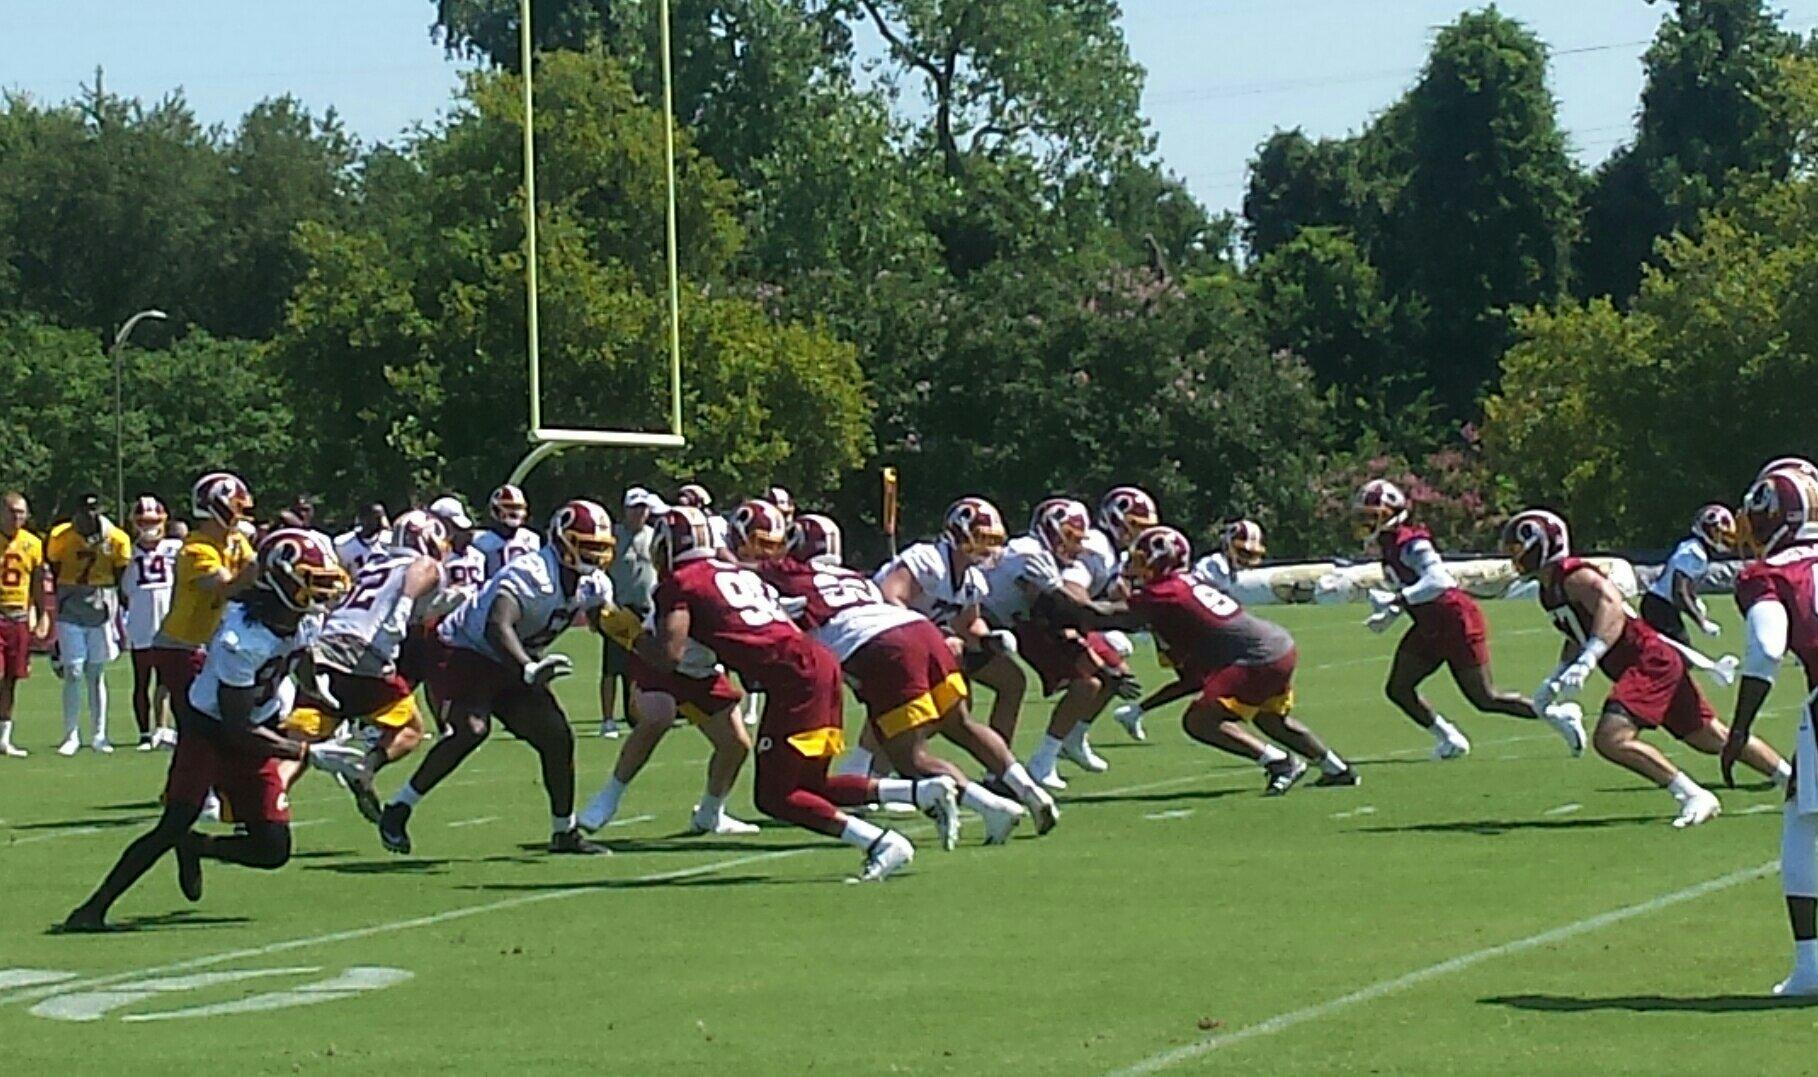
23	616
1448	630
783	500
1674	592
1031	589
1650	684
898	662
215	563
145	587
356	668
729	610
1777	593
1241	666
695	496
370	537
505	538
230	742
86	556
496	666
1123	513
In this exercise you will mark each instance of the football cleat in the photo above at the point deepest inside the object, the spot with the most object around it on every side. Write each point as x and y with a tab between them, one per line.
719	823
365	798
1130	716
12	752
392	829
1001	822
889	854
574	843
1044	810
1043	772
146	744
102	746
1345	777
1077	748
939	800
211	808
1283	776
1700	807
1797	986
189	868
70	746
1453	746
1567	720
609	728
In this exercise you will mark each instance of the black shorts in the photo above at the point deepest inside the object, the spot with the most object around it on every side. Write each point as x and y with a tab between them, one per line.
1665	618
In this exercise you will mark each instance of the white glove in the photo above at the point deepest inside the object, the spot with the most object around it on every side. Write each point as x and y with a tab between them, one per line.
1382	601
1005	639
1380	622
1572	678
1710	628
548	668
342	760
318	687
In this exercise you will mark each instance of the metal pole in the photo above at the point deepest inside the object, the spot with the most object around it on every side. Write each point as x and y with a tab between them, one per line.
530	222
675	294
115	353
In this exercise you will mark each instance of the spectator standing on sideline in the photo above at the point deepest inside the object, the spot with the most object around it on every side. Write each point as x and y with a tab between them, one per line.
86	557
633	577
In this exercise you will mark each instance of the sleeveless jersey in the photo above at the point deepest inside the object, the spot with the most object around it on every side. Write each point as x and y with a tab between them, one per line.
844	609
1204	630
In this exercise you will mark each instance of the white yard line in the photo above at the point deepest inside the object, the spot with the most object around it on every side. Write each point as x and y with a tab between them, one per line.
1564	809
482	820
1284	1021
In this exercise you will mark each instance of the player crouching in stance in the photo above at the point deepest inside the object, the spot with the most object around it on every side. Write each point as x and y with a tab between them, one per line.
899	664
1778	596
1651	684
1674	594
354	673
495	667
228	737
1449	628
726	608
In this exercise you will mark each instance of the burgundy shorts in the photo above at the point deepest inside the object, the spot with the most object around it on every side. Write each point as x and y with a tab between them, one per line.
1058	657
906	677
802	691
698	698
1271	684
250	786
177	668
1448	631
1657	691
15	649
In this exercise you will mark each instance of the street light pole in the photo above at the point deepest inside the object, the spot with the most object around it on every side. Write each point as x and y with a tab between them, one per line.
120	405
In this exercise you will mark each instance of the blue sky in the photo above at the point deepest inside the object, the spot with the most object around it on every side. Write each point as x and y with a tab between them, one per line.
1222	74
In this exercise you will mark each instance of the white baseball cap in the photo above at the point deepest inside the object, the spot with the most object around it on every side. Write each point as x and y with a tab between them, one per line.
451	509
638	496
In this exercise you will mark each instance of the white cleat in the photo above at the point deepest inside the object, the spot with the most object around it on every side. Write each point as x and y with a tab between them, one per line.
102	746
147	744
1043	810
11	752
1700	807
1077	748
1567	720
1454	747
1797	986
1000	823
595	815
70	746
609	728
889	854
939	800
1130	716
1045	774
719	823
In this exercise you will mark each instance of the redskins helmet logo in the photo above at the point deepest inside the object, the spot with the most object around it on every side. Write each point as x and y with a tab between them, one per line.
1159	551
420	533
581	533
299	569
1533	538
508	506
1378	505
975	528
1125	511
815	539
759	531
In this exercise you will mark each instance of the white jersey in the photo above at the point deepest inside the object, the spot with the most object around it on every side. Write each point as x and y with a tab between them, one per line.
353	550
721	532
940	595
464	571
1216	570
244	653
363	634
1096	567
1689	560
535	581
145	583
497	551
1025	566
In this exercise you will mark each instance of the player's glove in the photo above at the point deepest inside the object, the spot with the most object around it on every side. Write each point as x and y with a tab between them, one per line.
341	760
547	668
1382	601
999	641
1571	680
621	626
1380	622
1125	685
1710	628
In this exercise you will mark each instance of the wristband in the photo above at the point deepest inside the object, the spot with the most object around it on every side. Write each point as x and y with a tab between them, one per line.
1595	649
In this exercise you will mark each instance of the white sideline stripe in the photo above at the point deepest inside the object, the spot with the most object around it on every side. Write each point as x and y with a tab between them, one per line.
70	832
631	821
474	822
1283	1021
1760	809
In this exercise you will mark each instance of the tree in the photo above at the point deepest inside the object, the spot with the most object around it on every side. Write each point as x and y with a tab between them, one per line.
1297	183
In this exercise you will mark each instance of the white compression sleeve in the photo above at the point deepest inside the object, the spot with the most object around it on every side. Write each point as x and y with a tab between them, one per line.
1767	629
1434	579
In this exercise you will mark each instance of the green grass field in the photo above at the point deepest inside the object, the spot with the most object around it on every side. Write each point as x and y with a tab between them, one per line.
1516	911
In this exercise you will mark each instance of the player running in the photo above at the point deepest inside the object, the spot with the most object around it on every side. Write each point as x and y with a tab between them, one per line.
86	556
728	609
145	587
229	739
23	617
1777	593
899	665
1674	593
1449	629
495	666
1650	684
505	538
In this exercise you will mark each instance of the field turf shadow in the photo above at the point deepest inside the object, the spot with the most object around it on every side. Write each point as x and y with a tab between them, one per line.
393	866
1158	798
1495	827
176	920
1648	1003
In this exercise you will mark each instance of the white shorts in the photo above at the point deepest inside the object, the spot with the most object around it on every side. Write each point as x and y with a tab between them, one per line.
1805	761
80	643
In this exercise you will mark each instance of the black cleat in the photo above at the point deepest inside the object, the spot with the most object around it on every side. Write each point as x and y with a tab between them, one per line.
392	832
84	921
574	843
366	800
189	867
1283	776
1345	777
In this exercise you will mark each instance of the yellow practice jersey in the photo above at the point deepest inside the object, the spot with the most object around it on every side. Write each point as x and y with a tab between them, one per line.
75	562
19	563
194	613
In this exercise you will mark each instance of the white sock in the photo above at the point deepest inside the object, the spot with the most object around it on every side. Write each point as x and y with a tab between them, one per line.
1017	778
711	805
1683	787
1805	957
1443	730
860	834
6	732
610	793
561	824
1331	764
980	799
857	761
1271	755
72	701
1047	754
895	791
1076	738
97	700
407	795
1783	774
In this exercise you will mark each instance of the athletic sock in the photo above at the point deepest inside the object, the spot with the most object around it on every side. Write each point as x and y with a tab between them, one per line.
859	834
1047	754
1783	774
1683	787
561	824
895	791
1271	755
611	793
1332	764
710	805
1805	958
407	796
1018	779
1444	730
980	799
6	732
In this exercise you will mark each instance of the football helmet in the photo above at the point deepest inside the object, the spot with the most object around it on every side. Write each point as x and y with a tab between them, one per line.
1243	543
1788	463
420	532
695	496
1715	526
815	539
222	497
581	534
783	500
149	518
1533	538
1159	551
681	535
508	506
975	528
1125	511
1377	506
1781	508
298	568
1061	524
757	531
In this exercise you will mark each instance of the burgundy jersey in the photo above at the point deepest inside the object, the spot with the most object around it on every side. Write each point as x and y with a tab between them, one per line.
1788	578
1394	545
1204	630
842	608
733	613
1575	623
